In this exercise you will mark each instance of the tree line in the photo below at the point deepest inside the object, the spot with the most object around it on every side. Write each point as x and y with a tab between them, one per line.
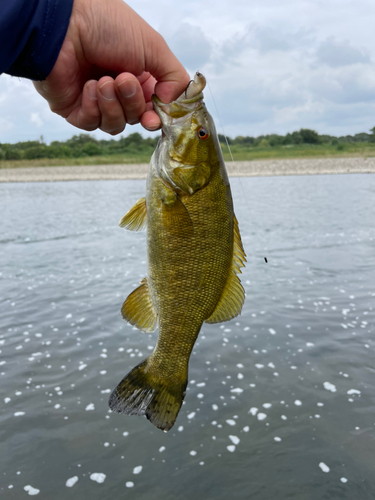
84	145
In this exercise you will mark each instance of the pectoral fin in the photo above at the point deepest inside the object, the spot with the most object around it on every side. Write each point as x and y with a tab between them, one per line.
138	309
135	219
233	296
177	216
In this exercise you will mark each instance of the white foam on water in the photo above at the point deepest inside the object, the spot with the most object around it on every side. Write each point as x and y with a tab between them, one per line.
246	428
259	366
191	415
297	402
319	404
200	395
329	387
19	413
215	407
126	433
231	422
181	428
193	453
90	407
71	481
267	405
105	391
277	439
309	344
231	448
201	384
353	391
129	484
324	467
240	365
272	331
234	439
30	490
237	390
82	367
161	449
253	411
99	477
6	400
271	365
343	479
138	469
284	417
261	416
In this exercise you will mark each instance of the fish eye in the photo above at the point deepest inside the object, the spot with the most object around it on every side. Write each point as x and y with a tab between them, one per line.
203	134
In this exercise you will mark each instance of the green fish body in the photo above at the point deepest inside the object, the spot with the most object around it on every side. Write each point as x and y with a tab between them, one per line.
194	254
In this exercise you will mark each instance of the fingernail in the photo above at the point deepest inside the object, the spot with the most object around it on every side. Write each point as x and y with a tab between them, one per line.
91	90
127	88
107	91
153	126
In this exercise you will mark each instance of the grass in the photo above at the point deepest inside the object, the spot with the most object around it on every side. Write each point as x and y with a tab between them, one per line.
239	152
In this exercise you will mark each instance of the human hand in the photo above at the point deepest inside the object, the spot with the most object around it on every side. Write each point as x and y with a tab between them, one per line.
110	64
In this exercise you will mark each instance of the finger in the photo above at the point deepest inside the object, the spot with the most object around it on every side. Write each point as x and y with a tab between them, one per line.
171	76
148	83
87	114
113	118
150	120
130	95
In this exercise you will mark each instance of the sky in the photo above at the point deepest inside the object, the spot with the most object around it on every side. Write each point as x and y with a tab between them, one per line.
271	66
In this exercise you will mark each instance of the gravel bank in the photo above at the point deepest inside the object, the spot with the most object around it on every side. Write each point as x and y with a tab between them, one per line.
314	166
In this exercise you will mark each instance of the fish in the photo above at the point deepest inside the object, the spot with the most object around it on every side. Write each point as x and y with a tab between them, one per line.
194	256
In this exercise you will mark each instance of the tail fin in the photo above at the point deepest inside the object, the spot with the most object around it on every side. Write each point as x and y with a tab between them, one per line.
141	393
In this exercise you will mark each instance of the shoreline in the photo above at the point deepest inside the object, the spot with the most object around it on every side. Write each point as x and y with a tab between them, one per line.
263	168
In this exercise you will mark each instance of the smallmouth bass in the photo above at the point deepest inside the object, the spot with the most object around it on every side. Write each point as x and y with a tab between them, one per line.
194	254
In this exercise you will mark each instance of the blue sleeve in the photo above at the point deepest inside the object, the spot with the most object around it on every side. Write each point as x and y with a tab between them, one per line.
31	35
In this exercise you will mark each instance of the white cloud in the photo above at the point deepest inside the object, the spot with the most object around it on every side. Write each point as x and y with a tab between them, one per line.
35	118
272	66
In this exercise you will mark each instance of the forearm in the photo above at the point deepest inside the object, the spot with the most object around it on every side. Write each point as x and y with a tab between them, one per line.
31	36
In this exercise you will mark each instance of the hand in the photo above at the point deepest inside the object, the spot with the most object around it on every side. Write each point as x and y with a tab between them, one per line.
110	64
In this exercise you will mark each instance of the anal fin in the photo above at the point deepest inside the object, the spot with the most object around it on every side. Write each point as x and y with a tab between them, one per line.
138	309
135	218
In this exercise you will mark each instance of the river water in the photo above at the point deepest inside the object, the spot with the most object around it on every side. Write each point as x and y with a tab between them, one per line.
281	400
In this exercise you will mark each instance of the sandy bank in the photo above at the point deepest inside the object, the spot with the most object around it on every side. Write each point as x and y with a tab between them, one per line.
235	169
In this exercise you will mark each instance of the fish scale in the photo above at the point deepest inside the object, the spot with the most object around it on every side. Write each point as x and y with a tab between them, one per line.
194	253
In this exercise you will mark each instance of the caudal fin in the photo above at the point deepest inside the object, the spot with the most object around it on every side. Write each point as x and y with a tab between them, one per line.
140	393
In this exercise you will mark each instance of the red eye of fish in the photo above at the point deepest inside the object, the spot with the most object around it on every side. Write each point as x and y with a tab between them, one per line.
203	134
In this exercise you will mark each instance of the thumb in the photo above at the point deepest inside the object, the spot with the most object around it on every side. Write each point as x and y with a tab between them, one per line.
170	75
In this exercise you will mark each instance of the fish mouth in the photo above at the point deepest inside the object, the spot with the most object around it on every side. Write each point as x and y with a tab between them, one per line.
186	103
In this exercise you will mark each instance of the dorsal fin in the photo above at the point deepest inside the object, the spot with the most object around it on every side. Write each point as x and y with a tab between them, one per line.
233	296
135	218
138	309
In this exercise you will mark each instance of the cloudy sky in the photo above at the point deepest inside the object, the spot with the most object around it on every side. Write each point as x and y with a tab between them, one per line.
272	66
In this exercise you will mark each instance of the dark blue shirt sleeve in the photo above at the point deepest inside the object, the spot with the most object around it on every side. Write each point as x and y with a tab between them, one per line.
31	35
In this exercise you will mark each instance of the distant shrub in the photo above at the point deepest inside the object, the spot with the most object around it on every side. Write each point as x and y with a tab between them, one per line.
309	136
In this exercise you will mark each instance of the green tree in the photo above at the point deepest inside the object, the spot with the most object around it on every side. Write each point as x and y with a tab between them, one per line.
309	136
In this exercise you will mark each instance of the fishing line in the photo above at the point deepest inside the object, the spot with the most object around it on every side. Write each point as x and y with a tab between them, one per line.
230	152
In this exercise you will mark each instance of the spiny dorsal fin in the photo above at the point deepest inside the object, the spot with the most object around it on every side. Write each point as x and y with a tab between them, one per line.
232	299
135	219
138	309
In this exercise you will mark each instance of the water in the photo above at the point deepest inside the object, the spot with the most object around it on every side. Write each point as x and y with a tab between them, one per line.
281	401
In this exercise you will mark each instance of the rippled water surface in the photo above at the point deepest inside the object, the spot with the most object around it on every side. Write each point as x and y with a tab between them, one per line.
281	401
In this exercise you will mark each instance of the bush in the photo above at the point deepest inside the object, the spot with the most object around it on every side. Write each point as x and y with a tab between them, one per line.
309	136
